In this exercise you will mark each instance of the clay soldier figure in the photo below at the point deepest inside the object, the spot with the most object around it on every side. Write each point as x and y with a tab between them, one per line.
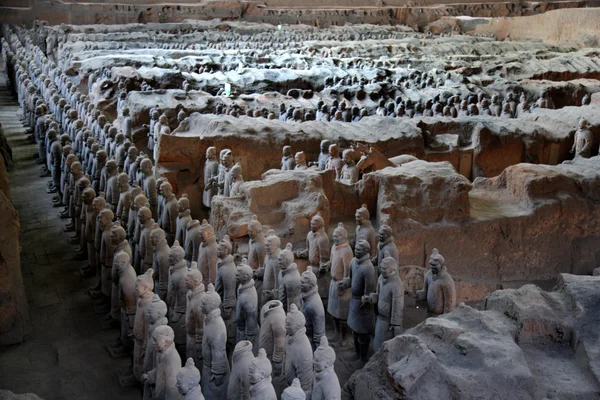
132	155
390	302
324	154
226	286
269	272
134	227
294	391
362	281
154	115
146	249
386	245
156	314
349	174
193	239
98	205
287	161
188	382
183	218
312	307
545	101
272	335
160	261
326	385
247	305
317	252
169	213
207	253
523	106
106	217
112	188
364	229
289	279
164	375
118	238
259	378
89	227
150	185
194	318
124	199
177	295
298	356
239	383
126	279
237	180
144	286
224	179
582	145
215	370
211	176
335	162
439	288
127	126
300	161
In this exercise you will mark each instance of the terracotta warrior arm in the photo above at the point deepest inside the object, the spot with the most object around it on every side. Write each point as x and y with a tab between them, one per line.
449	293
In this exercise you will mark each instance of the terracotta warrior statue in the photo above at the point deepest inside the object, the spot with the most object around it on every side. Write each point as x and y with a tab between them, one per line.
107	249
287	161
389	299
193	239
194	318
239	383
312	307
317	253
224	178
268	273
237	180
188	382
326	385
300	161
364	229
259	377
145	248
125	277
349	174
272	334
157	316
183	218
211	176
149	185
144	286
289	279
294	391
207	253
582	145
298	356
386	244
324	154
125	199
118	238
247	305
160	261
170	211
164	375
177	295
335	162
226	286
362	281
215	370
439	289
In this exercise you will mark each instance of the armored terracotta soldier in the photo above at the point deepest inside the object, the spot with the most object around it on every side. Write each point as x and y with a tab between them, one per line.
127	299
339	298
89	227
294	391
268	273
259	377
298	356
160	261
144	286
119	242
183	218
112	188
239	383
224	179
289	279
193	239
247	305
364	228
207	253
335	162
215	370
349	173
169	214
134	228
326	385
122	212
324	154
211	176
177	295
156	314
226	287
362	281
237	180
312	307
188	382
146	250
149	185
386	244
164	375
300	161
439	289
194	318
317	252
106	217
272	334
389	299
287	161
582	145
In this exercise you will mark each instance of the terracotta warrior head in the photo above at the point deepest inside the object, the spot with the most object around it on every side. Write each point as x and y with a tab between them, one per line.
385	232
176	253
362	248
260	368
294	392
272	243
144	283
286	257
117	234
188	378
317	223
389	266
193	277
224	247
210	301
294	320
437	262
308	280
324	356
243	273
163	337
340	234
254	227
